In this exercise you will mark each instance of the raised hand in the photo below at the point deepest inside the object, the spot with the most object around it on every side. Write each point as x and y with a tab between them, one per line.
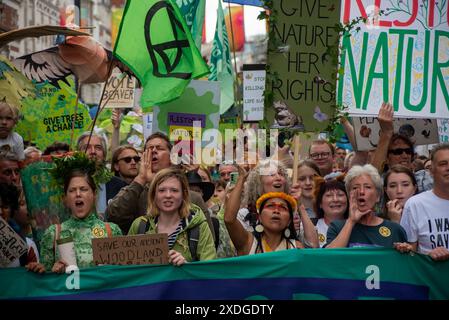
385	117
394	210
354	213
295	192
145	169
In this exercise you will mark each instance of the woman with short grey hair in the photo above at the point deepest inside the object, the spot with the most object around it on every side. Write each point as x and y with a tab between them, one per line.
364	228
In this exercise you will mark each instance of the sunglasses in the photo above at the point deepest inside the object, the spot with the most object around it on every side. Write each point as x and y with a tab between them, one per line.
399	151
128	159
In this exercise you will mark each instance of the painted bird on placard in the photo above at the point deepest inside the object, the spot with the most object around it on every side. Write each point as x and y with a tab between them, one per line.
319	116
82	56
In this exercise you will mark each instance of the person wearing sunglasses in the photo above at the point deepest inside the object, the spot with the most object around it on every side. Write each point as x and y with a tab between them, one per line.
125	163
395	148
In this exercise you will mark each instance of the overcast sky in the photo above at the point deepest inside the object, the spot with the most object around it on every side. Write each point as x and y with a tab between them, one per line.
252	25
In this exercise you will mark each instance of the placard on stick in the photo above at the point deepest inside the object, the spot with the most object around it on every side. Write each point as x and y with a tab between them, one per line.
12	246
135	250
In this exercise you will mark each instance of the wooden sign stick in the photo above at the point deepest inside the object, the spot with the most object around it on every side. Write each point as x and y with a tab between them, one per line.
296	147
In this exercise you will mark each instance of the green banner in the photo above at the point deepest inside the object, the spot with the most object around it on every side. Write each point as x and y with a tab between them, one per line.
356	273
303	85
44	197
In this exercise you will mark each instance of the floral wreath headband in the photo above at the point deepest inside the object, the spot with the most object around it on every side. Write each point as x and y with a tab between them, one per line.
290	200
65	165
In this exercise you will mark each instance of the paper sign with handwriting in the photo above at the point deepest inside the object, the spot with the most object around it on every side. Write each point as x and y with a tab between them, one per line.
126	250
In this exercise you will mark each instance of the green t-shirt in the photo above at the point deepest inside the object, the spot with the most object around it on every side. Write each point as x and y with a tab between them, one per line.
382	235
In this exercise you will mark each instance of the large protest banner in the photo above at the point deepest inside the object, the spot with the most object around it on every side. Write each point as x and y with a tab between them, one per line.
304	85
356	273
400	55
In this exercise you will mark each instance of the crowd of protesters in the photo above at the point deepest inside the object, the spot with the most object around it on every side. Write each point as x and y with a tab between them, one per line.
389	197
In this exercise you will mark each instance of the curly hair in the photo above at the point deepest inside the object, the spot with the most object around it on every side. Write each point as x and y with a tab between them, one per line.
254	186
9	196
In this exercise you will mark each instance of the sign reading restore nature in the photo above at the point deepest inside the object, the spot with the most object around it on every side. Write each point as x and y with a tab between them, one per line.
140	249
400	55
304	85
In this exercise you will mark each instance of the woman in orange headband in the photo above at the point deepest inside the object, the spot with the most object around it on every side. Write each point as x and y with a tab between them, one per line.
275	230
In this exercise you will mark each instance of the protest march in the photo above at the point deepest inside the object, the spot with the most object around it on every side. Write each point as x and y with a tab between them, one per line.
224	150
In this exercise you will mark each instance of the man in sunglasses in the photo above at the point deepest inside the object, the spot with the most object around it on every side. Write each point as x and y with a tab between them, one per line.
132	201
125	163
394	148
95	148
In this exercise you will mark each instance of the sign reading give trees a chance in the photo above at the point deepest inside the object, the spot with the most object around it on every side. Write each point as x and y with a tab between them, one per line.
304	85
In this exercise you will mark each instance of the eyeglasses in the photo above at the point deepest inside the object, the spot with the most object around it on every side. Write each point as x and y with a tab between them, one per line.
323	155
128	159
399	151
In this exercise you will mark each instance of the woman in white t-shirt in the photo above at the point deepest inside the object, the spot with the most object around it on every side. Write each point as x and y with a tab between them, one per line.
331	203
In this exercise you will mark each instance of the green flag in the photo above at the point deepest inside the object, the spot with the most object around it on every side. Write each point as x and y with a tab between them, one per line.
221	66
155	43
193	13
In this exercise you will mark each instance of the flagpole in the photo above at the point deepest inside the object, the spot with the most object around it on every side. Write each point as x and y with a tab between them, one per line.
233	53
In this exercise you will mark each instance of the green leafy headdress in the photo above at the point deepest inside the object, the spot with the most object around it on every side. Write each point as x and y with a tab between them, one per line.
64	166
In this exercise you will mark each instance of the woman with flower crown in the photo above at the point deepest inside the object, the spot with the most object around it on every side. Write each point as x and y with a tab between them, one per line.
274	230
80	178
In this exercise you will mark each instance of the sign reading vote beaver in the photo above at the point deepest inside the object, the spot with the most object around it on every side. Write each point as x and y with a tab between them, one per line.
140	249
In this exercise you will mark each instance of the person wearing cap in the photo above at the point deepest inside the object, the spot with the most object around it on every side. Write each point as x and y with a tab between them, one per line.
196	183
275	230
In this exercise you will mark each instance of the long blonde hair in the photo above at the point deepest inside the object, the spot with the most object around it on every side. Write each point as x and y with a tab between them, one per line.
162	176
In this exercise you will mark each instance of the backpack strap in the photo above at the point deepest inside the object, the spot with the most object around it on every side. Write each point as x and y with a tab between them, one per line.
108	229
193	235
216	225
144	225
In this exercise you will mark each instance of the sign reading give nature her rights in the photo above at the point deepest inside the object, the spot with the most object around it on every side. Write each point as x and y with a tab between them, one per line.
400	55
12	246
304	86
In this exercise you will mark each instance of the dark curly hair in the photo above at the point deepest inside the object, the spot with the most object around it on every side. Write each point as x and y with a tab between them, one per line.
9	195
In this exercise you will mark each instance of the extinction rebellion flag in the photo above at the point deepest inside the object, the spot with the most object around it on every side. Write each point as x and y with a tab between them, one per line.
155	43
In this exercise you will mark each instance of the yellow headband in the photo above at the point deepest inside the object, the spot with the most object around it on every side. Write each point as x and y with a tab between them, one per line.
280	195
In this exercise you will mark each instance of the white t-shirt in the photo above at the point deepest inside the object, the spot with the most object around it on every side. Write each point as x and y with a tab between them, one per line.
15	141
321	227
426	219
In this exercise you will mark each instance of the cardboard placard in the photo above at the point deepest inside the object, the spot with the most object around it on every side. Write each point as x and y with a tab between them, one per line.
420	131
135	250
12	246
119	93
303	95
253	89
443	130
